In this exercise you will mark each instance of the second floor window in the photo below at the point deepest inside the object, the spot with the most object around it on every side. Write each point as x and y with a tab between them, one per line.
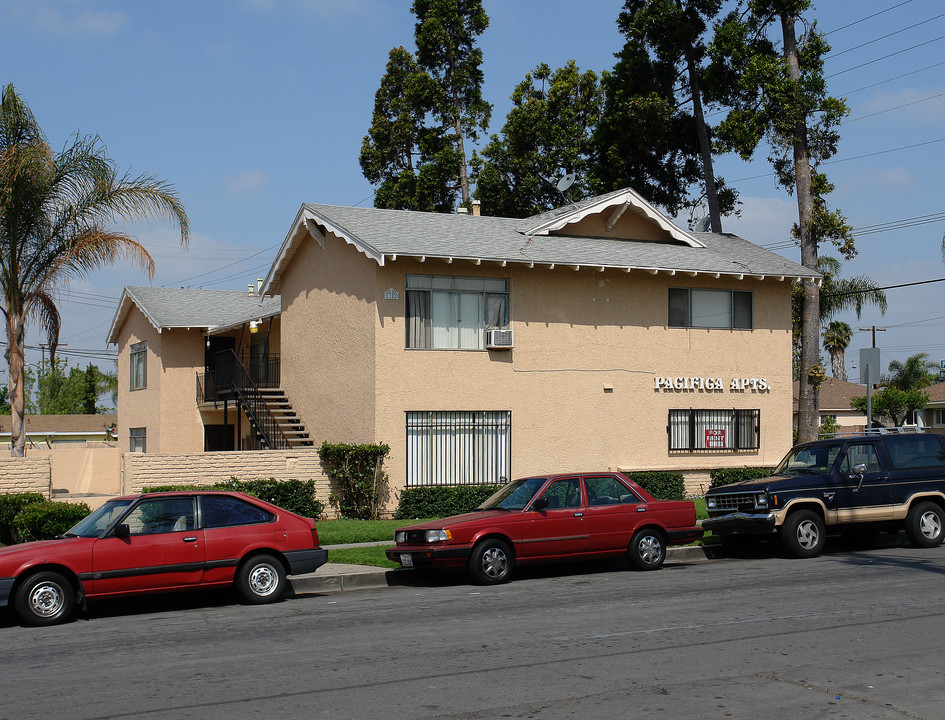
453	313
139	366
696	308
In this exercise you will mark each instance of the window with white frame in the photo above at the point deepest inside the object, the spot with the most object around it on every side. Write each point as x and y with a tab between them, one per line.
453	313
699	308
938	416
139	366
138	440
697	430
458	447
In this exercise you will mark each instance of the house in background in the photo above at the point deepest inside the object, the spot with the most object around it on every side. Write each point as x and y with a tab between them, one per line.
58	431
595	336
934	413
834	401
175	347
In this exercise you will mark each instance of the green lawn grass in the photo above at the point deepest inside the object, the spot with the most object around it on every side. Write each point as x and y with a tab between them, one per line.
342	532
370	555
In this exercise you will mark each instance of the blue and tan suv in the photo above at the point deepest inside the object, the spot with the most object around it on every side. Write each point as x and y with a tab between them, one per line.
858	485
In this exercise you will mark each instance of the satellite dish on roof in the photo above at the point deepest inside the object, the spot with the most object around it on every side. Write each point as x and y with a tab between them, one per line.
566	182
703	225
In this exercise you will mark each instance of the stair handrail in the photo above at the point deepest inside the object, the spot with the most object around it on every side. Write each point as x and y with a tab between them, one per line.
253	402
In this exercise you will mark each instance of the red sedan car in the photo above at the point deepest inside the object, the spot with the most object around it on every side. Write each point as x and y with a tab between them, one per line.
160	542
549	518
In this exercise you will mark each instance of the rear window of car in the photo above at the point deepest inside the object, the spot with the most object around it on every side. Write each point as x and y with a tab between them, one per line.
223	511
607	490
911	452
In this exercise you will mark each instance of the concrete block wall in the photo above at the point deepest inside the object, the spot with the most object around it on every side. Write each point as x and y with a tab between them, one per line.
144	470
23	475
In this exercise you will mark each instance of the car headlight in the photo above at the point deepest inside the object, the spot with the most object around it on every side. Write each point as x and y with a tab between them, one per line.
437	536
761	501
710	503
400	536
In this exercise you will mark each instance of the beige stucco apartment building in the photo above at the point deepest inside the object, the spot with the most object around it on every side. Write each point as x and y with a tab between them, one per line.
595	336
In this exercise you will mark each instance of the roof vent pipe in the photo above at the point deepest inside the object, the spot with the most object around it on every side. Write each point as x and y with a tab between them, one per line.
476	208
462	211
258	285
249	289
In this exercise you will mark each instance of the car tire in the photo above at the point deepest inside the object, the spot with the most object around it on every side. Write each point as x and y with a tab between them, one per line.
45	598
261	579
924	525
803	534
491	562
647	549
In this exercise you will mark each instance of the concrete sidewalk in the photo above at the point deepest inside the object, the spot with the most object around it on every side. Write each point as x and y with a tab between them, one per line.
338	577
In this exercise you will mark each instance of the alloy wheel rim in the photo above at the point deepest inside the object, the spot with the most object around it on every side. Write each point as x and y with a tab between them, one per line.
650	549
494	562
807	534
930	526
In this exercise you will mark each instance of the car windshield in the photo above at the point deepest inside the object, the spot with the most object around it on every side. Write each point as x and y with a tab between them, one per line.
514	496
93	525
809	459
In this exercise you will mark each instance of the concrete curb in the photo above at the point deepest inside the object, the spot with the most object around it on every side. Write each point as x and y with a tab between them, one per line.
335	577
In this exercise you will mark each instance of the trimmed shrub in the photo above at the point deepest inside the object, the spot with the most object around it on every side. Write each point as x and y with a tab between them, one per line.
296	496
441	501
45	520
727	476
664	485
10	505
356	471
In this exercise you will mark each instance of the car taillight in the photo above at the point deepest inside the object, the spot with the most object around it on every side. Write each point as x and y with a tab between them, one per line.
315	537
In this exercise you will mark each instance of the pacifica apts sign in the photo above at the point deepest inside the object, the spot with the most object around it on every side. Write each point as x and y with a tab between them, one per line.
708	384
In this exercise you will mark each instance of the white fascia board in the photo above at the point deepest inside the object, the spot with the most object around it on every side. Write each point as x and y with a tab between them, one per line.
629	198
124	306
307	222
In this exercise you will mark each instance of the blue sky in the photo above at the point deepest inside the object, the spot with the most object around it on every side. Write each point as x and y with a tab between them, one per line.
252	107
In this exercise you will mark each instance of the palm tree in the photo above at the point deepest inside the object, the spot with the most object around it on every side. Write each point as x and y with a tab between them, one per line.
53	208
837	339
915	373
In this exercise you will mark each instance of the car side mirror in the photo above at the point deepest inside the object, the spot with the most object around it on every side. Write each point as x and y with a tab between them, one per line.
122	530
540	504
860	471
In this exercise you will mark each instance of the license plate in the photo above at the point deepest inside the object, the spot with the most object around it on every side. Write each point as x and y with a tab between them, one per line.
406	559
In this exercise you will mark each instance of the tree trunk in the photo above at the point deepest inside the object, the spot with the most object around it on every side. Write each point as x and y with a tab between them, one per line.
705	150
16	360
807	411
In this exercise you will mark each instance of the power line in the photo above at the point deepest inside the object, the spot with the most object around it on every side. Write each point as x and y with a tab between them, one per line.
884	57
868	17
887	287
896	107
882	37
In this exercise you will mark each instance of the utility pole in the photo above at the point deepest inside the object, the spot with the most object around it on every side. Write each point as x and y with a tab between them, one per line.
871	358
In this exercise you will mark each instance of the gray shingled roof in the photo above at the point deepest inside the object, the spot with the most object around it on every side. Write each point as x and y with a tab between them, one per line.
189	308
402	232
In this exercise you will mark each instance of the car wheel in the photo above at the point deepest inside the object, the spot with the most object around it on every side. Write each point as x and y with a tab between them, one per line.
491	562
261	579
924	525
45	598
647	549
803	534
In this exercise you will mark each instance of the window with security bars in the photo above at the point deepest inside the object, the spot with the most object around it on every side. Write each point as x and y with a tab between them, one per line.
708	430
458	447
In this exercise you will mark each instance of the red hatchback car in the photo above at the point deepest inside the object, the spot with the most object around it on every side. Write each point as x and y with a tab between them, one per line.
160	542
550	518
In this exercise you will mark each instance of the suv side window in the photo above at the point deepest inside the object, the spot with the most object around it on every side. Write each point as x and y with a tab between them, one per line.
860	454
910	452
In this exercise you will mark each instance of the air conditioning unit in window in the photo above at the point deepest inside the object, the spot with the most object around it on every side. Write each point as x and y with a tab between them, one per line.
499	339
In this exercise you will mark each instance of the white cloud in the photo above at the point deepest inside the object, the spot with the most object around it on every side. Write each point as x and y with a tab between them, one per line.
246	182
916	106
67	19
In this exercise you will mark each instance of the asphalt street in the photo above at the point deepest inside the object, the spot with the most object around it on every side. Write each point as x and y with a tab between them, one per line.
852	634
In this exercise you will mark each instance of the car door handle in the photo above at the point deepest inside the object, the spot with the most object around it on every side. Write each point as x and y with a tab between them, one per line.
580	514
641	509
190	539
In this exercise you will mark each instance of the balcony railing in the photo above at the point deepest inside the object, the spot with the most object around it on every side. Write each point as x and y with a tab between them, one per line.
264	372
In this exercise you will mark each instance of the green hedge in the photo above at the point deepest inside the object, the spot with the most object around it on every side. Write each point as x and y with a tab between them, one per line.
441	501
10	505
727	476
296	496
45	520
665	485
